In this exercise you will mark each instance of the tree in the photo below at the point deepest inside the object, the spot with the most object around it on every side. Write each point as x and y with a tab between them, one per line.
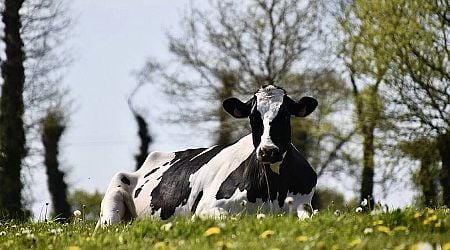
365	83
12	133
427	176
143	132
233	48
41	26
408	40
53	127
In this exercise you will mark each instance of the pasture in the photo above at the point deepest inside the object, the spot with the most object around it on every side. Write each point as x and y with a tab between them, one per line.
398	229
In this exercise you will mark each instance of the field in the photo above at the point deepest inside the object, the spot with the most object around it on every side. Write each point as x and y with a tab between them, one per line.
398	229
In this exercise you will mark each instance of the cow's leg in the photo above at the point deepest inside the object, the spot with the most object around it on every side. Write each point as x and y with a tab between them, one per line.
117	205
302	204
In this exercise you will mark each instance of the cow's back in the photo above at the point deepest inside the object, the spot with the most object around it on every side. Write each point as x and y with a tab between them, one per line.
174	183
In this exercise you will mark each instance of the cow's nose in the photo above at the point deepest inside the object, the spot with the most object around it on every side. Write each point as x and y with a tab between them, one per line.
268	151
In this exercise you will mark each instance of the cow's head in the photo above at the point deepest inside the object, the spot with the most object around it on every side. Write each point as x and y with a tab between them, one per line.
270	111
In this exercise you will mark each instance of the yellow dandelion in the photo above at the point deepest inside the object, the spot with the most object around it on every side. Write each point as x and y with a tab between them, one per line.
430	211
301	238
334	247
320	245
74	248
446	246
383	229
417	215
378	222
212	231
438	224
266	234
400	247
433	218
426	222
354	243
401	228
160	245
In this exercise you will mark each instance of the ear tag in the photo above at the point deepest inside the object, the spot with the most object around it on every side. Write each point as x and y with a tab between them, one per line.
275	168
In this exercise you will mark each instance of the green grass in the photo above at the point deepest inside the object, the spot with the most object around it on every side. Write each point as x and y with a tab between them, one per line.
399	229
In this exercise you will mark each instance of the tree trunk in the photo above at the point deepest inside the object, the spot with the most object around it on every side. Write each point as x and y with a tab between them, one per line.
53	128
368	164
444	151
12	134
224	131
144	138
426	182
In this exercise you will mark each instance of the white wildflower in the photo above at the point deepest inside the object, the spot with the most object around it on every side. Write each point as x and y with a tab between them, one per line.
364	202
166	227
30	236
359	209
289	200
2	233
315	212
423	246
337	212
260	216
77	213
368	230
56	231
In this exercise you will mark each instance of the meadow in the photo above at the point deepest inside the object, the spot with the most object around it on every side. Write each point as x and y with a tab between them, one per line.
330	229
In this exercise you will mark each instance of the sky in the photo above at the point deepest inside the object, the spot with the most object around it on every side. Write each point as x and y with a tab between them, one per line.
110	40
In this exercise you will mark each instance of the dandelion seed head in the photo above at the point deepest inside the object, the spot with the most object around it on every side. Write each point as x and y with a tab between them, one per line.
289	200
260	216
364	202
337	212
77	213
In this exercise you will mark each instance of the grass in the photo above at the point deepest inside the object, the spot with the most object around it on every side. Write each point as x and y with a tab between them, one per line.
399	229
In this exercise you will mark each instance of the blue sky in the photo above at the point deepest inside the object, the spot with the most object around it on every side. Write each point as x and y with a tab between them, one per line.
111	39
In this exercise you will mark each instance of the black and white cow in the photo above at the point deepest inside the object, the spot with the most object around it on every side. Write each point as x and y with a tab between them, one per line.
259	170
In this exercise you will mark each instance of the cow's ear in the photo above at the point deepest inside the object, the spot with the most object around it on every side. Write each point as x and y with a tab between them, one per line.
304	107
237	108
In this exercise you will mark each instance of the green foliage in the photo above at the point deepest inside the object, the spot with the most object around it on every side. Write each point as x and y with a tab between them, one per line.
400	229
87	203
326	198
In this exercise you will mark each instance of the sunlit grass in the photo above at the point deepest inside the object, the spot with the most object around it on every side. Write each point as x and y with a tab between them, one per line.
399	229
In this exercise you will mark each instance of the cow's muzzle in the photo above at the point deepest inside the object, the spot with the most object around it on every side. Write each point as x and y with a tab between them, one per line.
269	154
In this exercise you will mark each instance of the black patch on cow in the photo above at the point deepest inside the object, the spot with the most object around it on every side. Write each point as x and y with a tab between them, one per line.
173	189
280	128
296	176
197	200
250	176
136	193
151	172
125	180
118	186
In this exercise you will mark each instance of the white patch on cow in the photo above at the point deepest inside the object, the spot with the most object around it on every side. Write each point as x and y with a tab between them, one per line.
143	201
268	103
210	177
300	200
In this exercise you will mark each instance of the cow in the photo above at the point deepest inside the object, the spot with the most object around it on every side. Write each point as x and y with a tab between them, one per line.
255	173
